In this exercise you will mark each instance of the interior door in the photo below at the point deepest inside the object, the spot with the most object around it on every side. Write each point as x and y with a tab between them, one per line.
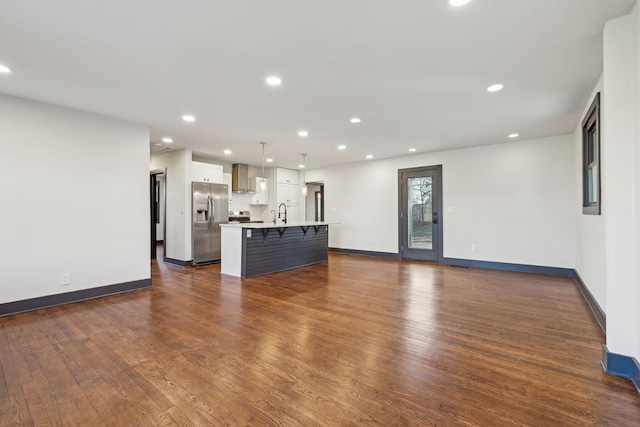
420	201
154	204
153	196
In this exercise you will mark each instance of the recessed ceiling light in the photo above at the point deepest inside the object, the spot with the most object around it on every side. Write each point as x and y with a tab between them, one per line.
303	133
514	135
301	166
412	150
273	81
167	140
269	160
356	120
4	69
157	144
342	147
227	151
458	2
188	118
369	156
496	87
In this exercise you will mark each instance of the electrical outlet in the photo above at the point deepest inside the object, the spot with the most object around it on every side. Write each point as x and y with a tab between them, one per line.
65	279
370	240
474	248
452	209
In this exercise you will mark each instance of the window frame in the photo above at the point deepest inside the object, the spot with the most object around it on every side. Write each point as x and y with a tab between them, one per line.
591	146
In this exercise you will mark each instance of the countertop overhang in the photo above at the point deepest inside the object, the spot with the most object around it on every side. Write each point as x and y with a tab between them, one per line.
281	225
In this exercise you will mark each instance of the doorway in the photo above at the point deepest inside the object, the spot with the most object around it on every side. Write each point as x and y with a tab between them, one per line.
315	201
319	206
420	213
156	199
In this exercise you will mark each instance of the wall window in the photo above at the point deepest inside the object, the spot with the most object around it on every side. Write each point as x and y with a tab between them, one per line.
591	141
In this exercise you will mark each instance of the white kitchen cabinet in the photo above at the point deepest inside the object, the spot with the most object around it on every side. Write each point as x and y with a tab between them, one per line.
226	179
287	193
286	176
206	172
260	186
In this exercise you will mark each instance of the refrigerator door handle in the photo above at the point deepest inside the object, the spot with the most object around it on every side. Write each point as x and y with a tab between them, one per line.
210	212
213	219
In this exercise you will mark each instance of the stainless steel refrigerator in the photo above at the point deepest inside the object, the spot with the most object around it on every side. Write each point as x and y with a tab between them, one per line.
209	210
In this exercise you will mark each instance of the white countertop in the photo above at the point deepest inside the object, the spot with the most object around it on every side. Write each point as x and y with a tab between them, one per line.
279	225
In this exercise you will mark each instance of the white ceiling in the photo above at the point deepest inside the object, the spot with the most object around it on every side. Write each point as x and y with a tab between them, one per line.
415	71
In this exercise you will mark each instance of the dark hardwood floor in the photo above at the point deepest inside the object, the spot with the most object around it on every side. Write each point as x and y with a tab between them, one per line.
359	341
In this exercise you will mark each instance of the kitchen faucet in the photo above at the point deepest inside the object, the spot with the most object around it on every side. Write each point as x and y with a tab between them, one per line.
285	212
274	216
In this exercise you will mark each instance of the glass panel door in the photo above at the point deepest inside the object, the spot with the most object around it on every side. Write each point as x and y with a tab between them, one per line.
420	228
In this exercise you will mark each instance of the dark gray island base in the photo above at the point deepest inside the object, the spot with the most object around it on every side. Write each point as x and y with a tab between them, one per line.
257	249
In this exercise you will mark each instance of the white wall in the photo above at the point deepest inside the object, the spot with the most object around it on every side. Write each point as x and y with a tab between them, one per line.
74	194
590	232
515	201
621	202
177	239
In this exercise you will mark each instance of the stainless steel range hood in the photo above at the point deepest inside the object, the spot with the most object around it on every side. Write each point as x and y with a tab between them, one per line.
240	178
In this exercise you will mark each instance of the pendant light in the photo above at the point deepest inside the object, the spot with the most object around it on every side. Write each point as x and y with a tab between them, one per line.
304	161
263	184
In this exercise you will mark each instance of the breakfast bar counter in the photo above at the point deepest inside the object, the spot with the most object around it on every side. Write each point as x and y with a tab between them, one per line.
254	249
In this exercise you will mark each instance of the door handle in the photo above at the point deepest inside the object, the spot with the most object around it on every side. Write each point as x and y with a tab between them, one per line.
210	202
434	217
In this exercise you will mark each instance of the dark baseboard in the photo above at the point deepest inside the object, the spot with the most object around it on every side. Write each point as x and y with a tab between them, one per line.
70	297
591	301
178	262
621	366
366	253
505	266
197	264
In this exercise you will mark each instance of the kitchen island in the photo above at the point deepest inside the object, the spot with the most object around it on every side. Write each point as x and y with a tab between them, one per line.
254	249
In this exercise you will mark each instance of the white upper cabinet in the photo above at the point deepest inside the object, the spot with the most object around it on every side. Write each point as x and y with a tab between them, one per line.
260	186
286	176
206	172
226	179
287	193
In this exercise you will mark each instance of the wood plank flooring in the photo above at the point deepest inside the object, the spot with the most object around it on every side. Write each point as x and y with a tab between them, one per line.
358	341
